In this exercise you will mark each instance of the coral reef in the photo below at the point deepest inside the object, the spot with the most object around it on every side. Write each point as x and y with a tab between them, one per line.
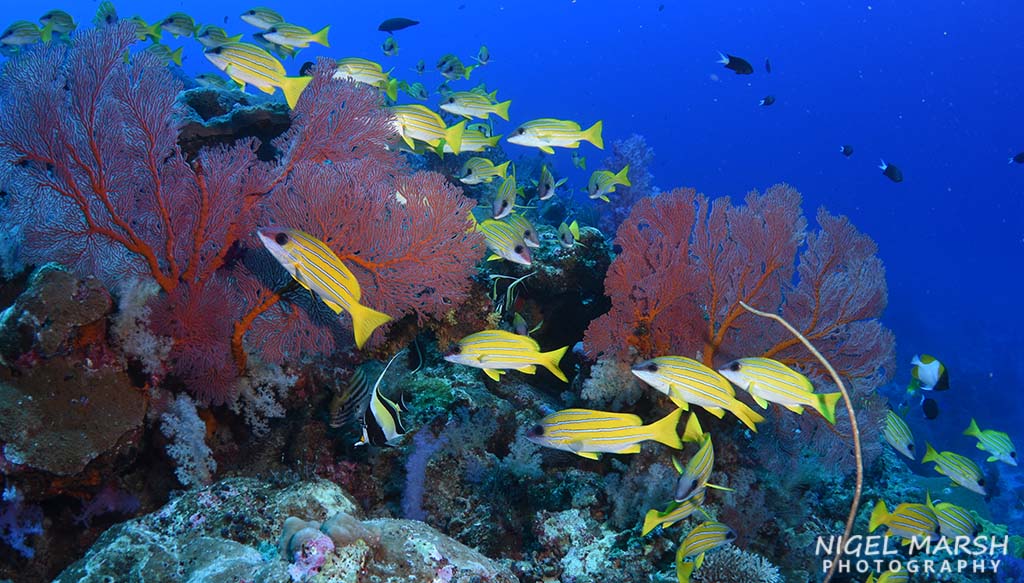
635	153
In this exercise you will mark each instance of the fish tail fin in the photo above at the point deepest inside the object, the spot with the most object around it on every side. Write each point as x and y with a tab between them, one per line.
929	454
47	32
156	31
722	59
176	56
878	516
916	361
550	360
501	109
493	141
502	169
593	135
827	406
453	136
469	70
623	176
321	37
391	89
364	321
973	429
684	568
664	429
748	416
883	166
235	39
693	432
651	521
293	88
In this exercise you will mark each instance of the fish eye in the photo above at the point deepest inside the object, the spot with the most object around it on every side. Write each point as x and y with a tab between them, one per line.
527	233
281	238
455	349
520	131
730	535
653	367
910	446
536	431
981	482
734	366
518	249
451	100
504	204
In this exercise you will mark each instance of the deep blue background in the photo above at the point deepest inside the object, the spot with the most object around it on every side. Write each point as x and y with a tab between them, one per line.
935	88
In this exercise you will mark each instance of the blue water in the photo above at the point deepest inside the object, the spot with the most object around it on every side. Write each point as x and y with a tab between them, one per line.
937	93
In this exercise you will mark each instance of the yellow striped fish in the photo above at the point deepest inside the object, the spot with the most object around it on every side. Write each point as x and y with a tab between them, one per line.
496	351
546	185
704	537
470	105
676	512
502	238
179	24
144	31
505	198
292	35
248	63
524	227
908	520
569	235
480	170
547	133
280	50
694	477
367	72
995	442
213	36
590	433
312	263
898	435
771	381
473	141
954	521
688	382
262	18
958	468
417	122
603	182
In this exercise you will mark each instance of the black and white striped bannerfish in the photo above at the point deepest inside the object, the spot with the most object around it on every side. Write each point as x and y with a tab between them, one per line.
315	266
382	422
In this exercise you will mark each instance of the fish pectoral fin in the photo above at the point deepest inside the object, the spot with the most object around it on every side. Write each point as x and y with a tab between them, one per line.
992	458
760	401
717	487
493	373
716	411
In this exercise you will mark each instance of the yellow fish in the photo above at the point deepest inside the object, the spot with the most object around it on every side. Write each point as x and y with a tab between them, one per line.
368	72
603	182
248	63
417	122
589	433
548	133
315	266
470	105
769	380
496	351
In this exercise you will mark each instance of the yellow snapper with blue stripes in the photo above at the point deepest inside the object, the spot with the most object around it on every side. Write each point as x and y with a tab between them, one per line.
262	18
675	512
483	128
496	351
694	477
415	90
995	442
417	122
164	53
451	68
502	239
382	421
549	133
213	36
473	141
523	226
770	381
505	198
144	31
899	576
56	21
293	35
898	435
21	33
688	382
367	72
908	520
481	170
569	235
956	467
280	50
589	433
704	537
473	105
315	266
248	63
954	520
179	24
603	182
546	186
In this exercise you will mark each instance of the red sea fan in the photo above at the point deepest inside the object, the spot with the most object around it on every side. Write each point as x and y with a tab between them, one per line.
686	263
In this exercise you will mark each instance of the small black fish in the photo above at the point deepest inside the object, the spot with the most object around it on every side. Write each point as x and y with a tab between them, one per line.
930	408
847	150
1019	159
306	69
661	7
891	172
393	24
737	64
767	66
767	100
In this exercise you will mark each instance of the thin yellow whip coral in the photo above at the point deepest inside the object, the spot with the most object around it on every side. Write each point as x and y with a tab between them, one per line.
853	426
